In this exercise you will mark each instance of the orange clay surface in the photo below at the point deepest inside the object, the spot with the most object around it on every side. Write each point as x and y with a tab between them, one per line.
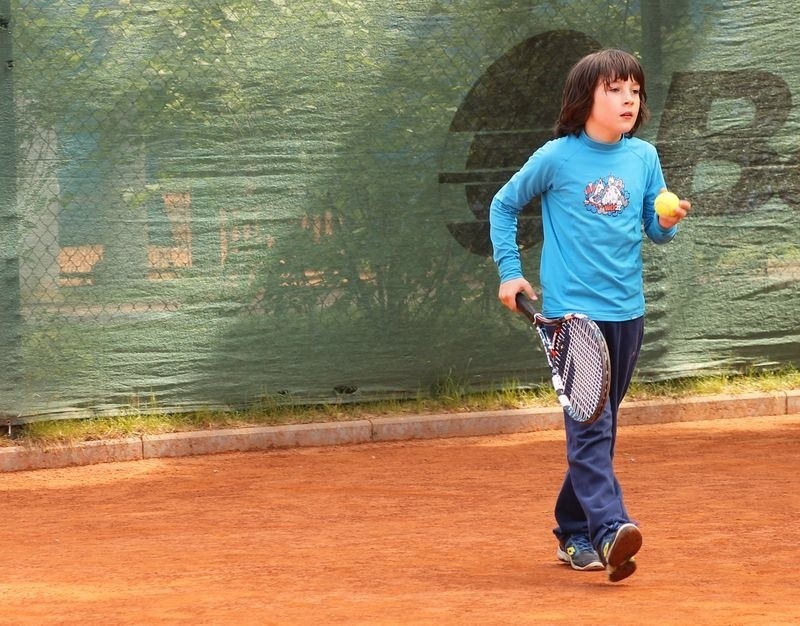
453	531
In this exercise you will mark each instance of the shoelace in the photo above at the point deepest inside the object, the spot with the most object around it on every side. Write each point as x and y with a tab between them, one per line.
582	543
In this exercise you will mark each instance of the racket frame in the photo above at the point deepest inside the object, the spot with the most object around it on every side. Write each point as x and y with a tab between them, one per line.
540	322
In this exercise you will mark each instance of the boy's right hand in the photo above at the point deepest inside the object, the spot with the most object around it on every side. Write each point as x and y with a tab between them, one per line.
509	290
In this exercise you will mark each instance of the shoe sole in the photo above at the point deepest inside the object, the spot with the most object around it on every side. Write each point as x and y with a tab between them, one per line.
620	555
564	557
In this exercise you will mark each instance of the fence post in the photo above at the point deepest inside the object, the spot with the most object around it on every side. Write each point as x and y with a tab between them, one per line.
651	49
10	319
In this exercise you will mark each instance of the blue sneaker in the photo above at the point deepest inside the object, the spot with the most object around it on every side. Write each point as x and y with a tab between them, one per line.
577	550
618	549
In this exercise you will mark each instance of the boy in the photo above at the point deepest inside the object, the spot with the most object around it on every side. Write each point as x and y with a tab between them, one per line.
597	185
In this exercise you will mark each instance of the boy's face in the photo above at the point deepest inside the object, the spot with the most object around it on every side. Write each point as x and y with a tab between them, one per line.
614	111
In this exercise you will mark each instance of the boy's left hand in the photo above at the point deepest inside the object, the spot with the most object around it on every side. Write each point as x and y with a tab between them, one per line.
684	206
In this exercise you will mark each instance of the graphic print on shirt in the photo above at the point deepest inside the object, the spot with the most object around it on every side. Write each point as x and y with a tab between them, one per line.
606	196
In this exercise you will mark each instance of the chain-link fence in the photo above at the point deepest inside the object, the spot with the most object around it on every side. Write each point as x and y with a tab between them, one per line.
206	204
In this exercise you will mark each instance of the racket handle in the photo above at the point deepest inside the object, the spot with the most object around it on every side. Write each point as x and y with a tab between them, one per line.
526	307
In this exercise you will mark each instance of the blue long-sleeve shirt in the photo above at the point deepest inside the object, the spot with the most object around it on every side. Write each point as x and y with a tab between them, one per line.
596	198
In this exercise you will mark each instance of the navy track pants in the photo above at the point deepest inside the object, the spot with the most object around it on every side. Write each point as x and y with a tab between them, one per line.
590	501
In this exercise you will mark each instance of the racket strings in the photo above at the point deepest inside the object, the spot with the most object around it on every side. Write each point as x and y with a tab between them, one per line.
582	362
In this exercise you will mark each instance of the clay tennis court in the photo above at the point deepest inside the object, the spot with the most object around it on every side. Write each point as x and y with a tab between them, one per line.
452	531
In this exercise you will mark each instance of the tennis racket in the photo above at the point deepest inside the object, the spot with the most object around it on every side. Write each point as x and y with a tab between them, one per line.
577	354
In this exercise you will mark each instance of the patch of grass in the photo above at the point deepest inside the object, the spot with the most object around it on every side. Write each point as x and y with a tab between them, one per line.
750	381
448	396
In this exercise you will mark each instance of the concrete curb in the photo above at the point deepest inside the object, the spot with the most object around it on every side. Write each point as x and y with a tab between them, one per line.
384	429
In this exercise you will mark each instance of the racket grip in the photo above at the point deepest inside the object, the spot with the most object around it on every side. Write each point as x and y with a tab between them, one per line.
526	307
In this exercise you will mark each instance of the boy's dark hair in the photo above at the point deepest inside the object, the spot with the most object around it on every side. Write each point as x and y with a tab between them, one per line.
578	96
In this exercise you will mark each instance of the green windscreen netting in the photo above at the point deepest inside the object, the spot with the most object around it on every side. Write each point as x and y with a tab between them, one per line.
208	203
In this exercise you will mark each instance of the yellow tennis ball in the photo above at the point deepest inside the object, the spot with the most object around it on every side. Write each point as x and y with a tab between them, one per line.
667	203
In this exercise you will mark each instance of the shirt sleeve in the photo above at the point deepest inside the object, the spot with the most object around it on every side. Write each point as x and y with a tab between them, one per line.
652	228
503	232
506	205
